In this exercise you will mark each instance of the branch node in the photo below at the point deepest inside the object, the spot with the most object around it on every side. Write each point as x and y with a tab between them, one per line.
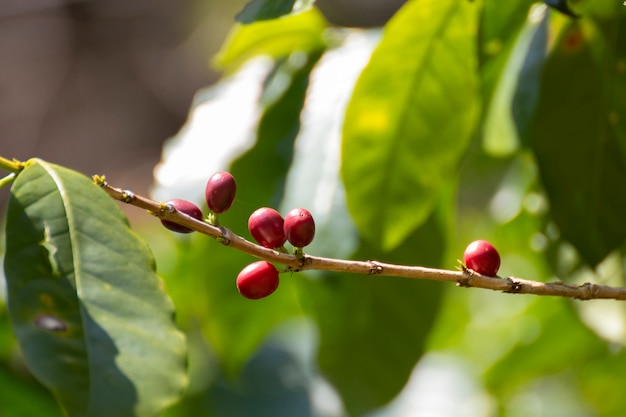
224	239
128	196
300	261
589	291
464	280
375	268
167	208
515	287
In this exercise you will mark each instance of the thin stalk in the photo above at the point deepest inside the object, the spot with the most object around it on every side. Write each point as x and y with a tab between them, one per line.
301	261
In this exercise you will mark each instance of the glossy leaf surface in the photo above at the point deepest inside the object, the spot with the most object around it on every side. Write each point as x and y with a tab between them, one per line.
514	98
235	326
275	38
410	118
576	138
86	305
373	330
264	10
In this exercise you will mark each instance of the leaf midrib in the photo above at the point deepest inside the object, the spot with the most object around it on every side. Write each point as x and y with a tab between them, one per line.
77	270
416	80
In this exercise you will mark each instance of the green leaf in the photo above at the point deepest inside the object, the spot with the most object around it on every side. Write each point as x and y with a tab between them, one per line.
576	139
267	163
276	38
264	10
85	303
20	397
410	119
528	80
373	329
233	325
617	74
500	25
556	341
516	91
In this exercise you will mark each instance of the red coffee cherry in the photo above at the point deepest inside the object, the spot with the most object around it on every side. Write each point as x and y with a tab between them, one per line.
257	280
266	227
482	257
299	227
186	207
220	192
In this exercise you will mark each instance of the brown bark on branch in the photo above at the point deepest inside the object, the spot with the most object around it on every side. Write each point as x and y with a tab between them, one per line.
293	263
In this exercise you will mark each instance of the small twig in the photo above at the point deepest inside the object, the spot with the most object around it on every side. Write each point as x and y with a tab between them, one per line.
8	179
13	166
463	278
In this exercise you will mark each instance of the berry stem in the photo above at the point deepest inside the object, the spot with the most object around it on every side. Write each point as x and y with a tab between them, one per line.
294	263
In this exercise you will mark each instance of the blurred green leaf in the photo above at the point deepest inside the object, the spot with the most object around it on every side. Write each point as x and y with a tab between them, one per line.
276	38
575	140
529	77
257	10
20	397
562	6
601	9
203	287
516	91
373	329
264	10
86	305
602	380
235	326
410	119
500	26
264	168
617	74
555	342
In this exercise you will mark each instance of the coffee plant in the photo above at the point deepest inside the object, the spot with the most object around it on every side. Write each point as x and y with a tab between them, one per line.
497	123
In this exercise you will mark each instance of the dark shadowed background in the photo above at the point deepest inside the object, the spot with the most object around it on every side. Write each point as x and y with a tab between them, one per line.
98	85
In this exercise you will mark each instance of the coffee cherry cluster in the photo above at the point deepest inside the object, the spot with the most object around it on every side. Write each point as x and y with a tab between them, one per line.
482	257
270	230
266	225
220	194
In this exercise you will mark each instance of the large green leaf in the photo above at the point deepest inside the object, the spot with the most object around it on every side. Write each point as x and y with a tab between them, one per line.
233	325
516	93
275	38
373	329
529	77
551	341
86	305
500	24
410	119
20	397
617	73
576	138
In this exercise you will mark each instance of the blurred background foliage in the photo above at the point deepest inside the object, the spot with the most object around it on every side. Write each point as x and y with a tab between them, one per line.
458	120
